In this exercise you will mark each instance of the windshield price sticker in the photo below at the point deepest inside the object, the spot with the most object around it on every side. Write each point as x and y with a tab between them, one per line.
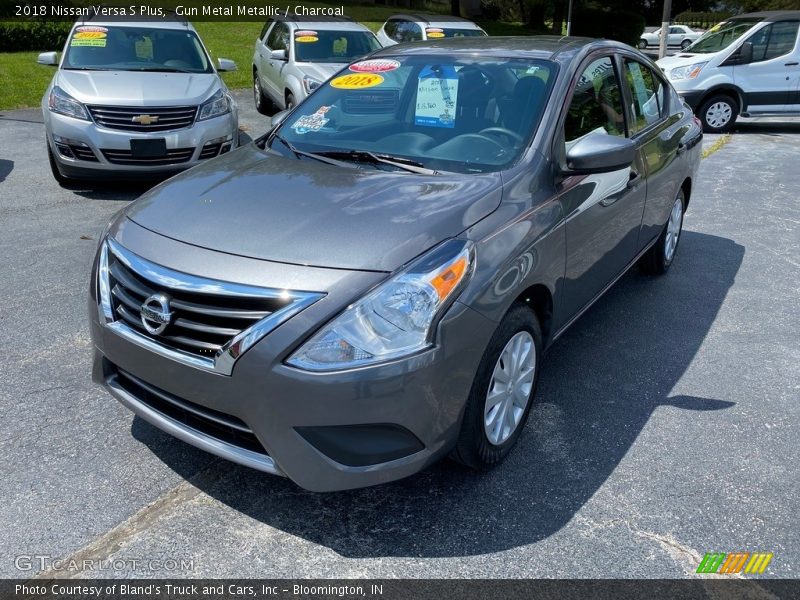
357	81
305	36
376	65
437	94
434	32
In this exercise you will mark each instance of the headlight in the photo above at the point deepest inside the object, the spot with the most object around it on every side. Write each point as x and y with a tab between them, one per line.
395	319
62	103
687	72
219	104
310	84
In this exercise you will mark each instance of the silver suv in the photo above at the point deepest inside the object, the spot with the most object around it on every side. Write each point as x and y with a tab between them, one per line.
132	99
294	56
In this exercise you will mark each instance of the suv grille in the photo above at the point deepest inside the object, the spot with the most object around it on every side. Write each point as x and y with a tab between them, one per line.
205	323
122	117
125	157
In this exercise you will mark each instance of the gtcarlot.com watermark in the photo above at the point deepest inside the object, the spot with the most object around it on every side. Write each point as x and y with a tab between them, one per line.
44	562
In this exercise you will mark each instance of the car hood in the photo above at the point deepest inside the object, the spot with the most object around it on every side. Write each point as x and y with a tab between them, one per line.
321	71
125	88
681	60
256	203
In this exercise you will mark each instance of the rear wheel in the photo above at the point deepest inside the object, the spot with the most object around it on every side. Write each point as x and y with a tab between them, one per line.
501	396
658	259
262	103
718	114
685	44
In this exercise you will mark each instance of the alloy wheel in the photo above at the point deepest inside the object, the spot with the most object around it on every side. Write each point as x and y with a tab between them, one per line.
509	388
673	230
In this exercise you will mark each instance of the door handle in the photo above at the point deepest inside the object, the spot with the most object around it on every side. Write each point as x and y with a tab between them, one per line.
792	64
634	180
681	148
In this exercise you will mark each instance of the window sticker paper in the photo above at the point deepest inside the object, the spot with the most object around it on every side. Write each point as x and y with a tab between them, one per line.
437	94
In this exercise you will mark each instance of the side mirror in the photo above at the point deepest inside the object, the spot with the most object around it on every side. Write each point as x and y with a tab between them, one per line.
600	153
277	54
745	54
278	118
226	64
48	58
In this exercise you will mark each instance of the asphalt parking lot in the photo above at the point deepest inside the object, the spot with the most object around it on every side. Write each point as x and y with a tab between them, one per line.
666	425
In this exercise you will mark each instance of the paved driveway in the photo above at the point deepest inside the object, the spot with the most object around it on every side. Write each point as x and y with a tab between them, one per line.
666	427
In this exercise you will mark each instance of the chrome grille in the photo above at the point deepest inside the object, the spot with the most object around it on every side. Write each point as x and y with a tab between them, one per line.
122	117
125	157
83	153
211	322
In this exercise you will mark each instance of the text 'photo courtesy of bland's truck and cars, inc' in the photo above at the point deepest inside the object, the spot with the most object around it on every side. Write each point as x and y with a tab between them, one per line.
216	9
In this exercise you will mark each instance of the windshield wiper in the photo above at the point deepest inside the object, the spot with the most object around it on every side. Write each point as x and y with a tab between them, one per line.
299	153
406	164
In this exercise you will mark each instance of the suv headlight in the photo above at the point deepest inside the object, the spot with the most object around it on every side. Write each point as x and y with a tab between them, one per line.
397	318
310	84
687	72
218	104
62	103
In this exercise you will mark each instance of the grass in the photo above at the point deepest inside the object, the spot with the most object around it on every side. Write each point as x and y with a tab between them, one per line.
233	40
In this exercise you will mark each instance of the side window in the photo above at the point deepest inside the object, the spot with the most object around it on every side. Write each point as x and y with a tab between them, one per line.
408	31
596	103
400	30
782	39
649	100
278	37
390	28
674	30
263	35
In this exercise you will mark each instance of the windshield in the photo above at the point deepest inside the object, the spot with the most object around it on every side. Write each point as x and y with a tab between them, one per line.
721	36
468	115
92	47
452	32
333	46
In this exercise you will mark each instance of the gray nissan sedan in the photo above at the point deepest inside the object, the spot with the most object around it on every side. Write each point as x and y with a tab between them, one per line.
371	286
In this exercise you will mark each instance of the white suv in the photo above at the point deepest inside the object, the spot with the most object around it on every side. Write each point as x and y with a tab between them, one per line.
294	56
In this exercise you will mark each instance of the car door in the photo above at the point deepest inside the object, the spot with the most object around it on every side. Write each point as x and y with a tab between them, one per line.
675	36
769	79
655	126
603	212
277	39
262	53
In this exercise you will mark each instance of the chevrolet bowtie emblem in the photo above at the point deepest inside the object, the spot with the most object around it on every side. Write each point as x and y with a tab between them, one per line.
145	119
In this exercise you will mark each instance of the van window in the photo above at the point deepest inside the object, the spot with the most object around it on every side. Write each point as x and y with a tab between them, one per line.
774	40
722	35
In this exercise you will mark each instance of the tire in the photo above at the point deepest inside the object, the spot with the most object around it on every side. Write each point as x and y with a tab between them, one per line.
685	44
642	44
719	113
659	258
62	181
474	447
290	101
261	101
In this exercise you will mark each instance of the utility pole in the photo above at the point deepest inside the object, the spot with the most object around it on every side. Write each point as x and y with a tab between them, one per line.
665	19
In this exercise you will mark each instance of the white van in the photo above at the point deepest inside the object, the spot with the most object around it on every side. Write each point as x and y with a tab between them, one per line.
748	65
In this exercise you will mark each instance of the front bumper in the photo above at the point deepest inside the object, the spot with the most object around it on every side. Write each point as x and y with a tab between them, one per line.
691	97
325	431
85	150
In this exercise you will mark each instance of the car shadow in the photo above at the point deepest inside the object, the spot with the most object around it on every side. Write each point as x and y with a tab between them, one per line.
6	166
599	386
772	127
119	190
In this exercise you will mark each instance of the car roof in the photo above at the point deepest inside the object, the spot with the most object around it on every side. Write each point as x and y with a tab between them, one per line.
178	23
768	15
338	23
550	47
437	20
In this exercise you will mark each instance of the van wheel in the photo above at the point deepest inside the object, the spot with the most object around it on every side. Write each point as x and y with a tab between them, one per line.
262	103
719	113
642	44
501	396
658	259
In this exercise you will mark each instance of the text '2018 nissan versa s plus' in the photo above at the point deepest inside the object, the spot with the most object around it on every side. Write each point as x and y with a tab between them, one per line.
371	285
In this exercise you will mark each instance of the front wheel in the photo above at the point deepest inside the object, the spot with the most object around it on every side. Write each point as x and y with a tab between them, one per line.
718	114
658	259
642	44
501	396
290	101
261	101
